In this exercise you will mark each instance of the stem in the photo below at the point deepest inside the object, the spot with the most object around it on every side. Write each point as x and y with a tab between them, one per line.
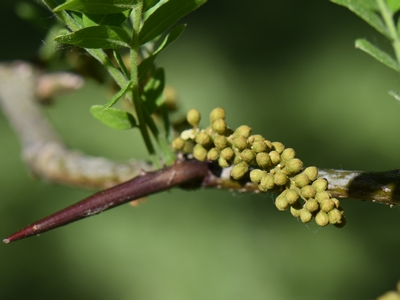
137	18
387	16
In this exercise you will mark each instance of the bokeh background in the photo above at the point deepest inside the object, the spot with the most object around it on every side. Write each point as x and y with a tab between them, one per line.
288	69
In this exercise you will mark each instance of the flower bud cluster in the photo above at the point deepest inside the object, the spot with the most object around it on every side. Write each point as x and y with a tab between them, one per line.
268	164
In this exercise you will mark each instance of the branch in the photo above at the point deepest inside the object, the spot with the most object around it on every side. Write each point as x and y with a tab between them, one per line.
42	149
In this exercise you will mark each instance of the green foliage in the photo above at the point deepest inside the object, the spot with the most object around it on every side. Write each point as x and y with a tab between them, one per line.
143	28
380	15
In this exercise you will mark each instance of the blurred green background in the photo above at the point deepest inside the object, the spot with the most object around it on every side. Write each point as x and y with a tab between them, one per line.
286	68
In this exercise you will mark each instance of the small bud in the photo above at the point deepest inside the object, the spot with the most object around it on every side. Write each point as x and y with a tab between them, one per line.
327	205
301	180
292	196
240	142
295	212
281	203
294	166
227	153
267	182
188	148
278	146
203	139
199	152
237	159
193	117
263	160
259	146
219	126
217	113
312	205
311	172
305	215
243	131
335	216
320	185
247	155
322	218
288	154
280	179
239	170
336	202
256	175
307	191
320	196
223	163
255	138
178	144
213	154
275	157
269	145
221	142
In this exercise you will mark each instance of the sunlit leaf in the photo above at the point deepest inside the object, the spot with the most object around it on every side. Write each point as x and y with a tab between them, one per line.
118	95
165	16
377	53
365	9
97	37
394	5
97	6
113	117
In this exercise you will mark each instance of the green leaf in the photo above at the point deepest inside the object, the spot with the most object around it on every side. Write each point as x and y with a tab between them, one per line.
147	63
118	95
377	53
147	4
165	16
394	5
97	6
97	37
113	117
105	19
365	9
153	92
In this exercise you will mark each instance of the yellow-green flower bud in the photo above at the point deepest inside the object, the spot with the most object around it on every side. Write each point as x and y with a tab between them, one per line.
311	172
256	175
322	218
213	154
178	144
219	126
243	131
281	203
280	179
342	223
312	205
239	170
278	146
292	196
240	142
203	139
295	212
320	196
294	166
320	185
267	182
193	117
335	216
247	155
263	160
269	145
307	191
217	113
255	138
275	157
305	215
237	159
259	146
227	153
336	202
327	205
199	152
188	148
221	142
301	180
223	163
288	154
